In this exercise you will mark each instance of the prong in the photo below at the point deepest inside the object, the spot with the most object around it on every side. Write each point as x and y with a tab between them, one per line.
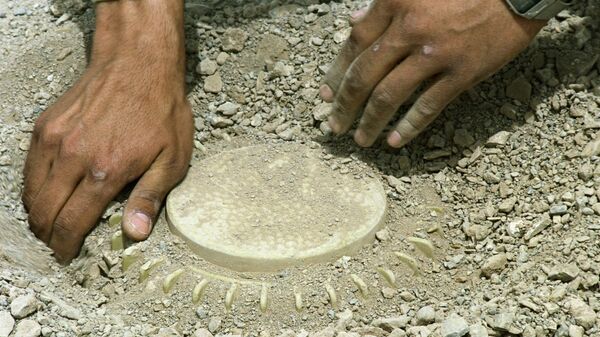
130	256
199	291
361	285
148	267
408	261
230	296
424	246
171	279
332	295
264	299
388	276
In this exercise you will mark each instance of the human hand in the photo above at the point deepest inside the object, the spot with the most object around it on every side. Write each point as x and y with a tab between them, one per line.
398	45
126	118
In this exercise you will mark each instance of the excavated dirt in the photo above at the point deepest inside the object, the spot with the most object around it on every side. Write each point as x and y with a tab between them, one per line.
505	185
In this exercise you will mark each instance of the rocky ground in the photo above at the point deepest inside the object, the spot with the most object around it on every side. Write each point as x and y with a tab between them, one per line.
506	185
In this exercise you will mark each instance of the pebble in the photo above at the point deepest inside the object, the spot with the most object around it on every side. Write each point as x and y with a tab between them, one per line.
425	315
214	324
498	139
494	265
202	333
463	138
575	331
20	11
558	209
213	83
326	332
503	321
7	323
234	39
388	292
321	111
583	314
586	172
454	326
519	89
222	58
507	205
207	67
564	272
478	330
390	323
228	108
317	41
23	306
28	328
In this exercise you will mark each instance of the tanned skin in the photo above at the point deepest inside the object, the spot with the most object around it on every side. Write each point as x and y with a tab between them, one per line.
127	118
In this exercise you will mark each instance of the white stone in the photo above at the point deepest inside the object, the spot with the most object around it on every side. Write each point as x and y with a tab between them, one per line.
23	306
7	323
28	328
454	326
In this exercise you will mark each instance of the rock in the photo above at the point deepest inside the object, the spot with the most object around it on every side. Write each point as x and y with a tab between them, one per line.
382	235
327	332
575	331
454	326
575	63
564	272
537	228
213	83
321	111
498	139
202	333
463	138
390	323
395	333
280	69
586	172
28	328
234	39
388	292
228	108
222	58
503	321
519	89
507	205
214	324
7	323
478	330
425	315
23	306
494	265
558	209
207	67
583	314
592	148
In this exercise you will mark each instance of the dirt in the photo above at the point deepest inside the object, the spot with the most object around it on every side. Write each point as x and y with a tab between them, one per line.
506	184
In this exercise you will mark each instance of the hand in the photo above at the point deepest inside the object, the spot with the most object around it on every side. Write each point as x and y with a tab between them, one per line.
126	118
398	45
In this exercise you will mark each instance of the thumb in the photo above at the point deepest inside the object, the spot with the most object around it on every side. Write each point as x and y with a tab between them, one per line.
145	200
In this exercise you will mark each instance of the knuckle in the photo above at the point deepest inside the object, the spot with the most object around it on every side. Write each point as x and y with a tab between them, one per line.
382	100
358	37
355	78
426	108
70	146
49	133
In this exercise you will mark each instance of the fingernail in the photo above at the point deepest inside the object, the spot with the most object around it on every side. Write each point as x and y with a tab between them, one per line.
140	222
326	93
359	13
333	124
360	137
395	139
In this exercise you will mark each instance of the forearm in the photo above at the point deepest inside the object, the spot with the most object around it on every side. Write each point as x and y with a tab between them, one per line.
148	32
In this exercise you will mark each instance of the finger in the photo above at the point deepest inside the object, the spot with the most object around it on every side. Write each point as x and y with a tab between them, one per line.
54	193
37	167
425	109
373	64
147	196
81	213
389	95
365	31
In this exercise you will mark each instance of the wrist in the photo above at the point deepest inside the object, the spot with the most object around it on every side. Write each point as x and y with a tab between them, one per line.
149	31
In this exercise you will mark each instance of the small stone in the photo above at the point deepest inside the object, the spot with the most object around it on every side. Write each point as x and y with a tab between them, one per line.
586	172
234	39
202	333
228	108
213	83
7	323
327	332
575	331
426	315
390	323
222	58
503	321
498	139
454	326
494	265
404	163
519	89
20	11
317	41
207	67
321	111
388	292
214	324
507	205
28	328
558	209
280	69
583	314
478	330
382	235
463	138
23	306
564	272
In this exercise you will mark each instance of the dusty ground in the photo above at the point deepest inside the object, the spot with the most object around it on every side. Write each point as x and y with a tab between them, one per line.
506	184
